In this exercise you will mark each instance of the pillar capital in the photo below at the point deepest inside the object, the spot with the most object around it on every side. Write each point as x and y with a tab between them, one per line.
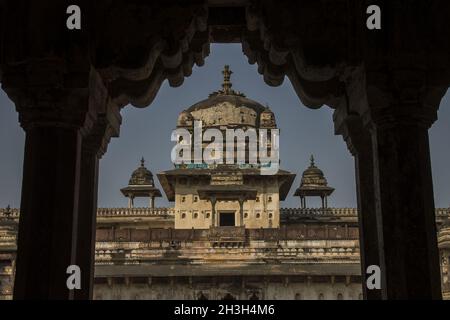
50	92
401	97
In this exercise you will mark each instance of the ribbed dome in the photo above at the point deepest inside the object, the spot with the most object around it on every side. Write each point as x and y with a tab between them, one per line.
141	176
313	176
313	183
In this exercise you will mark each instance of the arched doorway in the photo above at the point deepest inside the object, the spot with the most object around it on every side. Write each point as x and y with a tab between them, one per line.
74	128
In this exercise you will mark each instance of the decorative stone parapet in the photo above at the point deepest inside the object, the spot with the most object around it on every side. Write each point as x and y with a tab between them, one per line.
351	212
114	212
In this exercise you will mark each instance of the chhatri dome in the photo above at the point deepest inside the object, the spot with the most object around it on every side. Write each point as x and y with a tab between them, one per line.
228	108
313	184
142	176
313	177
141	185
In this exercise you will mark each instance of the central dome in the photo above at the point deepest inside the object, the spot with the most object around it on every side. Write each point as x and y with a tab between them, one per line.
228	108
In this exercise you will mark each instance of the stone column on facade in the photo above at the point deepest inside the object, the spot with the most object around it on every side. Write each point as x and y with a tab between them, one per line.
213	211
444	250
400	113
152	202
55	116
241	212
360	145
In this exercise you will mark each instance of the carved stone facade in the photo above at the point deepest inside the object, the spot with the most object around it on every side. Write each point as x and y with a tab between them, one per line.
226	236
139	255
214	194
385	87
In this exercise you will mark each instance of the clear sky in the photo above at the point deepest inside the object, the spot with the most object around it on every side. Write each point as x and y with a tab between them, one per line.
146	133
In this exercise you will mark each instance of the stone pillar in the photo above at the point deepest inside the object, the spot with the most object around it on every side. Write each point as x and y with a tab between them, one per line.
57	102
49	213
87	214
444	248
55	115
360	145
93	148
401	110
404	189
241	212
152	202
213	211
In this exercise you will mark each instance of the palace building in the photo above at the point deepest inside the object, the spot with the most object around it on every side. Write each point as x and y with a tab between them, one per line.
227	235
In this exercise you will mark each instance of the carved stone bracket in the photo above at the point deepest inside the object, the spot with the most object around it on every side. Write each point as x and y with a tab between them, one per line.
315	51
141	45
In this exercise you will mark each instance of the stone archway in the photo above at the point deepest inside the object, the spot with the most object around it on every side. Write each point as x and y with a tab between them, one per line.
69	88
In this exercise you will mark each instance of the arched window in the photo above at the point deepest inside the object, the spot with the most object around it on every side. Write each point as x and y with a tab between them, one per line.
201	296
298	296
321	297
340	296
254	296
228	297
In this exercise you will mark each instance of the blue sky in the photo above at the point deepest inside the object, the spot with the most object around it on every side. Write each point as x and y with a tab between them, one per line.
146	133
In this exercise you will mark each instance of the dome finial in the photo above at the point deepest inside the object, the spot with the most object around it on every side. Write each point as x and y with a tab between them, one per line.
226	80
142	162
227	85
312	161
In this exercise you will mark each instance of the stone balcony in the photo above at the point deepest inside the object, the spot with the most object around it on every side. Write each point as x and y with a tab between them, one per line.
227	236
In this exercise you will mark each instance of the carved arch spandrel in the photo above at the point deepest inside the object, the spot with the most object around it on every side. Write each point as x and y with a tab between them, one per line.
310	42
141	44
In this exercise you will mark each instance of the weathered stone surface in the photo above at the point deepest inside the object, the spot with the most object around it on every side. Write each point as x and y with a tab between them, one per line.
393	78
